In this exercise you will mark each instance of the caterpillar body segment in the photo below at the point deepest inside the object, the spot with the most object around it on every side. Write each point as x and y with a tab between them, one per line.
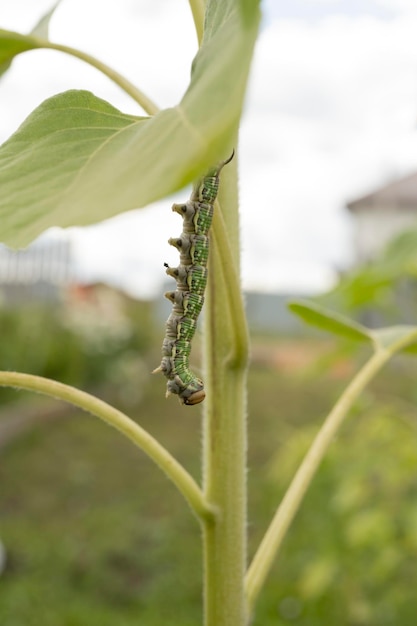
193	249
191	279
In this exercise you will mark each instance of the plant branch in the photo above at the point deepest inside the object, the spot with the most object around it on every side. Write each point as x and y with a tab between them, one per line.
264	557
240	340
146	103
174	470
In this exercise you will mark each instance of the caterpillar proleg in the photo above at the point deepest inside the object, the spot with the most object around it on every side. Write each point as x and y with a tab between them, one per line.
188	298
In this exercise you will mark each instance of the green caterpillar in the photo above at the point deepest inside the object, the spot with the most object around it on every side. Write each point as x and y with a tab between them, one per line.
188	298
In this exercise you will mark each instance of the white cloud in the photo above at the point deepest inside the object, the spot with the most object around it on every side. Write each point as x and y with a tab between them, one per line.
151	43
401	7
331	112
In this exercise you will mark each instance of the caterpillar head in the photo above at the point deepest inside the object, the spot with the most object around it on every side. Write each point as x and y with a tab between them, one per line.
206	189
194	392
195	398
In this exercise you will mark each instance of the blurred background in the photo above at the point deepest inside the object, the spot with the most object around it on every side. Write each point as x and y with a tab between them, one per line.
90	531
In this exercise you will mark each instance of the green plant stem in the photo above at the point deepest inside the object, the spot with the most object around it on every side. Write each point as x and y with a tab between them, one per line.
146	103
267	551
174	470
240	339
198	10
224	443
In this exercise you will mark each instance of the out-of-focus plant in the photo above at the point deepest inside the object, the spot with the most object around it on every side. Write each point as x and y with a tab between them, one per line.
356	532
75	342
386	286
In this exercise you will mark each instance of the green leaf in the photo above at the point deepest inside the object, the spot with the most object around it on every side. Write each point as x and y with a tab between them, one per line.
392	338
329	321
42	161
4	67
12	44
42	27
77	160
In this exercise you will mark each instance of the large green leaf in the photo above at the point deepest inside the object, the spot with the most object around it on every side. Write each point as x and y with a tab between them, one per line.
77	160
248	9
47	154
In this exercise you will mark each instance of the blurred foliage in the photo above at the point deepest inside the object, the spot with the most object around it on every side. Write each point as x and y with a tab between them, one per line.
350	556
95	535
384	289
96	338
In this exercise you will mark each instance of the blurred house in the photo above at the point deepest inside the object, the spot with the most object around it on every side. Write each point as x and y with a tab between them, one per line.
40	272
381	215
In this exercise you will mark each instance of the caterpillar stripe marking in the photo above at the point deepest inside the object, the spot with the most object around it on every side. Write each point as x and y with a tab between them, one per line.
188	298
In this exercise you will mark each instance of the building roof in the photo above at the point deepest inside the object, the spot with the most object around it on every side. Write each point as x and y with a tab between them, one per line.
401	193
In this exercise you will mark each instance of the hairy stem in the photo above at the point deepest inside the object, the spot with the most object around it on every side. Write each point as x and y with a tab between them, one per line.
224	439
146	103
174	470
267	551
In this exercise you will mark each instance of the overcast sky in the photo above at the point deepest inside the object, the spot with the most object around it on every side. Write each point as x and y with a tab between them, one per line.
331	114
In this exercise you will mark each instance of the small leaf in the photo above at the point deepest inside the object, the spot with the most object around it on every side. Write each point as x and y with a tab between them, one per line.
392	338
42	27
12	44
330	321
78	160
4	67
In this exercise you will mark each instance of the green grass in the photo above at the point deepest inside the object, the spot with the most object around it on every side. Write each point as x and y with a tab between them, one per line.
96	536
